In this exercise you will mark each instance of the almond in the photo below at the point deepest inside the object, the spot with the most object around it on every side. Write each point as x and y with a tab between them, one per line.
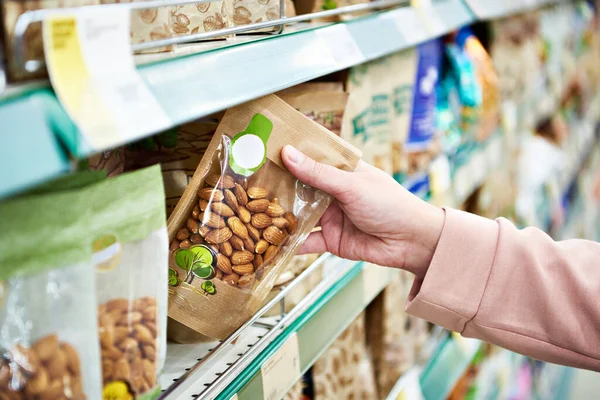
274	235
258	206
121	332
256	192
231	200
240	194
57	365
231	279
261	221
275	210
46	347
196	211
237	243
249	245
127	344
111	353
222	209
210	194
242	257
246	281
258	261
261	246
143	334
174	245
270	253
218	236
152	327
215	247
224	264
204	229
121	370
149	313
149	352
226	249
185	244
196	238
237	227
203	205
220	181
292	221
182	234
243	269
254	233
244	214
192	225
280	222
212	220
219	274
149	371
55	390
37	385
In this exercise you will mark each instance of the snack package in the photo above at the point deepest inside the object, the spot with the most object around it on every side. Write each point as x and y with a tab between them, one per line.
112	161
148	25
178	151
33	47
367	120
390	343
344	370
253	11
324	103
131	257
189	19
243	216
47	354
403	70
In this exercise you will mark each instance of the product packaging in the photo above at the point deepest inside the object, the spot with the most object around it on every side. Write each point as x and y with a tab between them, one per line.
420	144
344	370
367	120
253	11
131	262
178	151
189	19
390	343
45	267
33	47
243	215
324	103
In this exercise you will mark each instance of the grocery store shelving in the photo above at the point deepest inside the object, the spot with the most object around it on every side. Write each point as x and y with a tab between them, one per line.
206	371
485	9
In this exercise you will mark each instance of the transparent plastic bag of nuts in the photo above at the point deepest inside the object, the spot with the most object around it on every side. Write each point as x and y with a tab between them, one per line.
243	215
48	334
131	256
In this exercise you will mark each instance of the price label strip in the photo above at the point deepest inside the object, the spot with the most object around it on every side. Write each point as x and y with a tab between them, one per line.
409	25
282	370
344	49
91	68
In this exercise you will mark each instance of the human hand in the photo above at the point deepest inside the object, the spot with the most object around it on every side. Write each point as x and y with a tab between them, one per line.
372	218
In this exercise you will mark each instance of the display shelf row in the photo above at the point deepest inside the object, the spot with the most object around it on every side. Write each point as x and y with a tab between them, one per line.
485	10
202	78
237	366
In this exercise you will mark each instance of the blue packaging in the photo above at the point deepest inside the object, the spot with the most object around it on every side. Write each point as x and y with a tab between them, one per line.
422	125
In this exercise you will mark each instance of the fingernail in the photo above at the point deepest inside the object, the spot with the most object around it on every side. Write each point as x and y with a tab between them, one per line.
294	155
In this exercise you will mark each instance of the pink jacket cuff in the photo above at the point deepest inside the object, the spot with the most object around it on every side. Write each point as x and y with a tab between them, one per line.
453	287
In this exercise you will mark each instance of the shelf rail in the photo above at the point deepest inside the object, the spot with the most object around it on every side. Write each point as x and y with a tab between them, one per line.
30	17
223	380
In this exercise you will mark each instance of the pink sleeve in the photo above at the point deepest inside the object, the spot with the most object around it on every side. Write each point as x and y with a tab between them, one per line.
515	288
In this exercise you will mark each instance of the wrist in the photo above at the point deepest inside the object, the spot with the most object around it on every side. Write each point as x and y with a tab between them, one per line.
425	239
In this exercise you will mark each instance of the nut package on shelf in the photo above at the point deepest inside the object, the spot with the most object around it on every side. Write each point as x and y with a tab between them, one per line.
46	266
243	216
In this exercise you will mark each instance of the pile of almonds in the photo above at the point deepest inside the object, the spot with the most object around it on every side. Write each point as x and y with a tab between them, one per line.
127	331
240	223
48	370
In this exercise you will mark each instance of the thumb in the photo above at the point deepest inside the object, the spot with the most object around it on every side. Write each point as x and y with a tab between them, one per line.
321	176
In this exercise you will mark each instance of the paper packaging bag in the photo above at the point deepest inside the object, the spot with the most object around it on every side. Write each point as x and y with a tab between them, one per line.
33	45
218	279
324	103
190	19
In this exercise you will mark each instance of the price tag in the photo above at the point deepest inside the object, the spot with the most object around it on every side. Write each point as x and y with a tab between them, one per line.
409	25
343	47
375	278
92	71
282	370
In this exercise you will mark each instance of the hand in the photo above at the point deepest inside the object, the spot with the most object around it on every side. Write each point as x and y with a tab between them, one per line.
372	218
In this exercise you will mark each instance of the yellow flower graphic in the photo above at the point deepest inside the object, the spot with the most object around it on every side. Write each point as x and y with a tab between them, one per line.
116	391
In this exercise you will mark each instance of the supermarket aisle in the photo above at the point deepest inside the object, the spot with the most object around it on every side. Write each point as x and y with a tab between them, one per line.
586	385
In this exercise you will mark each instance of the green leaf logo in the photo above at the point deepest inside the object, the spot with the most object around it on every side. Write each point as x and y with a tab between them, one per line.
197	260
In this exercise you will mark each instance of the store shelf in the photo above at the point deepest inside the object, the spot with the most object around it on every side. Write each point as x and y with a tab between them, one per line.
447	366
347	288
485	9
